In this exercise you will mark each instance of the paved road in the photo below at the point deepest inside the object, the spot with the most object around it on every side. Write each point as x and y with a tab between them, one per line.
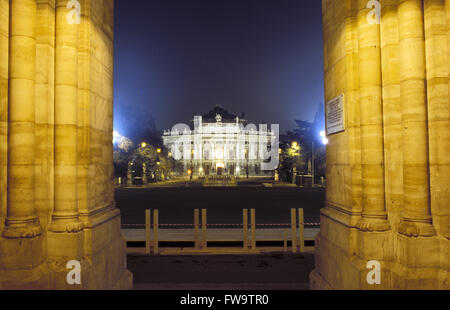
224	205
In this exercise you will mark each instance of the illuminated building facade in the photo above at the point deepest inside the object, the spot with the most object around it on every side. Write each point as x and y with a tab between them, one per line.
220	144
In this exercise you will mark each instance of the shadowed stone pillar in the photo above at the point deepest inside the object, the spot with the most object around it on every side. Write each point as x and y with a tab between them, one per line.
374	217
21	218
65	217
416	217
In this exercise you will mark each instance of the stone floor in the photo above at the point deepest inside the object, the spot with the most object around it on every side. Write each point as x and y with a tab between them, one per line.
268	271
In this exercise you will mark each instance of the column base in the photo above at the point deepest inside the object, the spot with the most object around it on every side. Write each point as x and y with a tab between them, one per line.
62	248
69	226
29	230
416	229
373	224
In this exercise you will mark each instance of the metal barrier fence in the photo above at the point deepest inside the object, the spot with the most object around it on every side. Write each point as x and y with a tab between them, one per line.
200	227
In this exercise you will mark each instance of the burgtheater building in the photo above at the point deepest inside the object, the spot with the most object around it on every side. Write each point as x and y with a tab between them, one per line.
221	143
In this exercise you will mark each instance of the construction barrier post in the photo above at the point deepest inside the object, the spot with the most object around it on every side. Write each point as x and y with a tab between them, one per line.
294	231
301	227
204	241
148	238
253	228
196	228
155	231
245	228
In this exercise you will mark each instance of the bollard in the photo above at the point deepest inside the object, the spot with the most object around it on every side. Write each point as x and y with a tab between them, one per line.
155	232
301	228
253	228
196	229
204	241
245	228
148	238
294	231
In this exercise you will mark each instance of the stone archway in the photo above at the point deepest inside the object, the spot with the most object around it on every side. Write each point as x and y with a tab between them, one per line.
56	172
387	172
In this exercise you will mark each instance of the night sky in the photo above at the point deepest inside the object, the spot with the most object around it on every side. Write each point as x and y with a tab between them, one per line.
176	57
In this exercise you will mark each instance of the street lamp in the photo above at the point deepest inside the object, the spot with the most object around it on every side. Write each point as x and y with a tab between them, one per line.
295	146
192	167
324	138
246	157
324	142
143	144
158	150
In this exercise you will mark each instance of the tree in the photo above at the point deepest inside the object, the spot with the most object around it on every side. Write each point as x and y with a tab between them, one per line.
122	150
305	134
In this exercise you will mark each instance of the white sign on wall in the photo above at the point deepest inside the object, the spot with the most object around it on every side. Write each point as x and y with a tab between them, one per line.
335	115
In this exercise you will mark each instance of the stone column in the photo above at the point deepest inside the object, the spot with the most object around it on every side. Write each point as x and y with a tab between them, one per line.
374	217
22	221
65	216
416	217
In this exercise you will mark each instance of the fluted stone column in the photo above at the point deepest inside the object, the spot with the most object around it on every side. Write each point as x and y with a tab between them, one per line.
21	218
416	217
374	217
65	216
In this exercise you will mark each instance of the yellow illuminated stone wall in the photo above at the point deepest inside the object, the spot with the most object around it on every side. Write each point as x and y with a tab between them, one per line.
388	173
56	123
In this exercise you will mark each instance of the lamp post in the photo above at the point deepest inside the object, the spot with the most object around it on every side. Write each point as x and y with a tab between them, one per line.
312	165
294	169
192	168
246	157
324	142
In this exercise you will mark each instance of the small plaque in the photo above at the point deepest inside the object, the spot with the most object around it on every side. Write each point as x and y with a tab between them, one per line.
335	115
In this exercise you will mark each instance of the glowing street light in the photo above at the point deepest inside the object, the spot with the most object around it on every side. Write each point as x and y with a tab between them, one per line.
143	144
116	136
324	138
294	145
158	150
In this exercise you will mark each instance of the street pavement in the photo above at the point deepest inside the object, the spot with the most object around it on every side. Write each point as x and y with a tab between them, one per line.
184	269
270	271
